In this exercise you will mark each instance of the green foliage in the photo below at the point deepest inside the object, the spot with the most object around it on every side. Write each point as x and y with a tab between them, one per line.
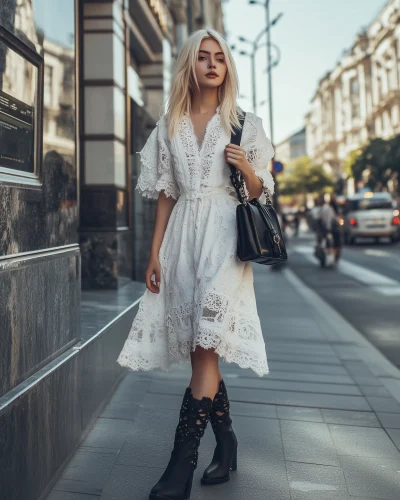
379	160
304	177
351	159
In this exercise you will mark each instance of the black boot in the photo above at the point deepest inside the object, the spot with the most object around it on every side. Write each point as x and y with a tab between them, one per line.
225	454
176	482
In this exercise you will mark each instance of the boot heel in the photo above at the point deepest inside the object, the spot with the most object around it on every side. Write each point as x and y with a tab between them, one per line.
234	460
189	488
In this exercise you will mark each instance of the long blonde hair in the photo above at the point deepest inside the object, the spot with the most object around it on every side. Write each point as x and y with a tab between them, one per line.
184	79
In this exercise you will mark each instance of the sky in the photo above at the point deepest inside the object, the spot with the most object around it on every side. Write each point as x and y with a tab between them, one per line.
56	18
311	35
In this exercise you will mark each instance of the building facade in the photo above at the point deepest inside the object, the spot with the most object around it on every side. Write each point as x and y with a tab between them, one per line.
291	148
360	98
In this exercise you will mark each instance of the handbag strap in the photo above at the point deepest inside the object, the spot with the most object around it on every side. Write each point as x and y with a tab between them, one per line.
238	184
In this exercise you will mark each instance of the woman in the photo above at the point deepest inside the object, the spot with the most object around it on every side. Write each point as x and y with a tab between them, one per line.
202	303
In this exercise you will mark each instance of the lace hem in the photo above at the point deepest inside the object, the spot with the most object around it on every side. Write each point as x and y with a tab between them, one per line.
151	346
135	358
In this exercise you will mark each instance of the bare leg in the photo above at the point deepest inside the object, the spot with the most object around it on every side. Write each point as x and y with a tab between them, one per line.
205	373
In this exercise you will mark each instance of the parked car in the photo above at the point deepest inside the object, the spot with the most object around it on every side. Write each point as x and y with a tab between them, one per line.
370	215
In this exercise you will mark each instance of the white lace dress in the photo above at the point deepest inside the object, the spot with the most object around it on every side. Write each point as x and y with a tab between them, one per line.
206	295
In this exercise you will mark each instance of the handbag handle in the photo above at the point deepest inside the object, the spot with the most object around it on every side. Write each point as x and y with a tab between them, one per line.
238	183
236	178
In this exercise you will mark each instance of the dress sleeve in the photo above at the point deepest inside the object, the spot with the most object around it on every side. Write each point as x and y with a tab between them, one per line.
156	168
259	150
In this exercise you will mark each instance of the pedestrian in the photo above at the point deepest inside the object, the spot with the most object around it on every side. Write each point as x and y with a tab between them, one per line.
329	230
201	305
335	228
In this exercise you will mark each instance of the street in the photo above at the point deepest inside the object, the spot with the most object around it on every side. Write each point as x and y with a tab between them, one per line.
364	288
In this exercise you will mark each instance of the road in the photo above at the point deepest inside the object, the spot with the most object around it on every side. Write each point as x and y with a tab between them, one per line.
364	288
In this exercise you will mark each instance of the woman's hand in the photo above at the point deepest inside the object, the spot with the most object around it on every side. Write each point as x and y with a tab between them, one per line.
153	267
237	157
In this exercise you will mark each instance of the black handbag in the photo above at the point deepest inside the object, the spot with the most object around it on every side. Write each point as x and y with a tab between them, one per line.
259	234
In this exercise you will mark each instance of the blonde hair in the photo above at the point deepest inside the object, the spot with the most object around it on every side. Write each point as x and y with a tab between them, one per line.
184	79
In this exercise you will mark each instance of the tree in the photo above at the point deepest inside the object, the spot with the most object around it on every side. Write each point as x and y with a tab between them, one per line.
380	160
304	177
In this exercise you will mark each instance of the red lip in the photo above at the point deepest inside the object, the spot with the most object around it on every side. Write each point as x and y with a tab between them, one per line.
211	74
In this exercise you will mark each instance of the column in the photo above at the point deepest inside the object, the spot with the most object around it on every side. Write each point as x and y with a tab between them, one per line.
178	9
105	232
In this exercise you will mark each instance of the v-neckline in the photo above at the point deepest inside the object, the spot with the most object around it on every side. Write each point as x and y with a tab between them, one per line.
200	146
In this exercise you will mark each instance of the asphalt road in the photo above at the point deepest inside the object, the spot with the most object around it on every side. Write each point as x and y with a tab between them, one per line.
364	288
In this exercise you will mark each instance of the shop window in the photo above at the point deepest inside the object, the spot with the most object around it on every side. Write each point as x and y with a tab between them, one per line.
21	81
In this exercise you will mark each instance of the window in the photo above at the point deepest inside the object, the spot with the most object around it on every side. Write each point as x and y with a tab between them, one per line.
355	98
48	86
20	112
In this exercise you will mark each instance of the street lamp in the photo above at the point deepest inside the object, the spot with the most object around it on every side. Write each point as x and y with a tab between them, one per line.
265	4
255	46
253	71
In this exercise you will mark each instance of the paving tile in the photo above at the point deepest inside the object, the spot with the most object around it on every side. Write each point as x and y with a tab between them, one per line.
314	387
389	420
316	482
371	390
360	418
395	436
362	441
298	413
131	390
166	401
358	368
367	381
388	405
125	410
151	441
337	401
307	368
288	332
365	498
310	377
253	481
130	483
253	410
371	477
265	432
308	442
86	472
67	495
108	433
304	358
301	348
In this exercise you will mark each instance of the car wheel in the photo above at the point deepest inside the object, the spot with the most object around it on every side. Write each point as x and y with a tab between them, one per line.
394	238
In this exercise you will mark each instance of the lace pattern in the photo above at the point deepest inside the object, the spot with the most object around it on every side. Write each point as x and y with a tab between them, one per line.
206	293
156	166
220	408
192	424
258	148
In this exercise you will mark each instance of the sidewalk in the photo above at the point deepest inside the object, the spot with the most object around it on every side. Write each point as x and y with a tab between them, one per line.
323	425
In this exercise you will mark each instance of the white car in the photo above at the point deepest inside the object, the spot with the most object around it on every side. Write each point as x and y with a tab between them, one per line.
370	215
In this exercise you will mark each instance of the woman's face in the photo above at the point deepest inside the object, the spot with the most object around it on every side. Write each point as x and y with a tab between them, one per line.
210	66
